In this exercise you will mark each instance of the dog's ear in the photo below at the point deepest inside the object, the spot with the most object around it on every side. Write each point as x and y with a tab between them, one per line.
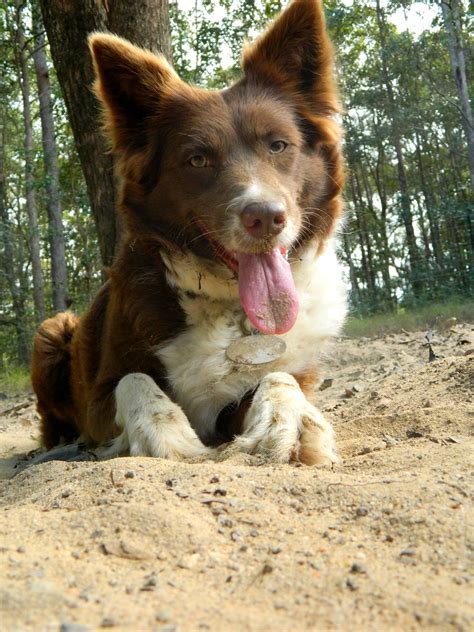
131	83
295	53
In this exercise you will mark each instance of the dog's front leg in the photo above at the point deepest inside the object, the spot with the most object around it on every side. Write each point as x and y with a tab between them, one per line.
151	424
284	426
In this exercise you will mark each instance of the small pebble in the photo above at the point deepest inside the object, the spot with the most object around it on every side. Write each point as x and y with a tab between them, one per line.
130	474
362	511
358	568
107	622
351	584
163	616
214	479
275	550
21	549
408	553
73	627
150	584
66	493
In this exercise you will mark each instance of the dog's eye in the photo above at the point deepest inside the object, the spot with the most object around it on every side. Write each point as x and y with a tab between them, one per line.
278	146
198	161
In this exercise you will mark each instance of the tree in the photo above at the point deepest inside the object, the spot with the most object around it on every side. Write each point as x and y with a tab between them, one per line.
452	24
23	76
51	169
68	24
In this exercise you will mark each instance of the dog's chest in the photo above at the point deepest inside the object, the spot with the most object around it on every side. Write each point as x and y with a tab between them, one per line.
199	370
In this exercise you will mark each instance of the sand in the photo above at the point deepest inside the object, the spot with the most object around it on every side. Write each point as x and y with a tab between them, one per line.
379	542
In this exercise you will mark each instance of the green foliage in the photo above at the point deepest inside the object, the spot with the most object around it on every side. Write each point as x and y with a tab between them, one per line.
14	380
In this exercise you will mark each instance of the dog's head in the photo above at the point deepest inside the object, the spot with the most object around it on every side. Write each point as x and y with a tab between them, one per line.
247	175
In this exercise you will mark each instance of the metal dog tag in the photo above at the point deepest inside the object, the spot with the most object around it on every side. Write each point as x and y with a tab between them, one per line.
256	349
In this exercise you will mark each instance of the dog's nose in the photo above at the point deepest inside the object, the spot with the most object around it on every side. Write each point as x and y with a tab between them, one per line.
263	219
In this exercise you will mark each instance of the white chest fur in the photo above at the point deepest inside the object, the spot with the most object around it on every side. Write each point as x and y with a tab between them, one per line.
202	377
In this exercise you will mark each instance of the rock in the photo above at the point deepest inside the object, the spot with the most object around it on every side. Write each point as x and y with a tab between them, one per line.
326	383
107	622
163	616
126	550
361	511
73	627
358	568
150	584
351	584
189	561
129	474
220	492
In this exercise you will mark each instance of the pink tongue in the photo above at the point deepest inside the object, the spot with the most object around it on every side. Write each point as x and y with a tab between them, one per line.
267	291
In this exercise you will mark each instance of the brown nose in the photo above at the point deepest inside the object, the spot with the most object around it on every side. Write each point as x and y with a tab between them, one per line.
263	219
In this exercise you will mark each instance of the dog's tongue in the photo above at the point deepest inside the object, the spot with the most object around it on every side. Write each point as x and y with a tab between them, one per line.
267	291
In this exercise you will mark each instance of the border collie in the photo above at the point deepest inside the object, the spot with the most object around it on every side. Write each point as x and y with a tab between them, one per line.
226	288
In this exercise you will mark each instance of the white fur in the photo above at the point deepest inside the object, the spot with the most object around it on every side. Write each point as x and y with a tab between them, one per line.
202	378
280	421
152	425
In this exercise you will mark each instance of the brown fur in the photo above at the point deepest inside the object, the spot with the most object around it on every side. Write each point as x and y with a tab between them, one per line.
155	123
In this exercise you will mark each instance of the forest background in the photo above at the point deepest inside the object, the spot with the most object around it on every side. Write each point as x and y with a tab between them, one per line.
405	76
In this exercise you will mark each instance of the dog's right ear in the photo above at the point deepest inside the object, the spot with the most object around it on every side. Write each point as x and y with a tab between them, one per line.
131	83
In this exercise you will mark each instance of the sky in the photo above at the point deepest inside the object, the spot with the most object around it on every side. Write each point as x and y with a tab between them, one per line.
416	18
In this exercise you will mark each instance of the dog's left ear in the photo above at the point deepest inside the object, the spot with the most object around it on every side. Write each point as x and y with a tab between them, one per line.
295	53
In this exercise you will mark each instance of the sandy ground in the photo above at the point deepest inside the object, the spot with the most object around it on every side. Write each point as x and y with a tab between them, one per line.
381	542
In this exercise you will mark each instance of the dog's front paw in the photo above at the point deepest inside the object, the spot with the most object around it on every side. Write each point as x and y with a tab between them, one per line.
151	424
283	426
317	443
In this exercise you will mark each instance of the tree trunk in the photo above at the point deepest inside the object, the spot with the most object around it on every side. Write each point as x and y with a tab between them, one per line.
68	23
34	241
51	169
352	269
8	267
406	214
452	24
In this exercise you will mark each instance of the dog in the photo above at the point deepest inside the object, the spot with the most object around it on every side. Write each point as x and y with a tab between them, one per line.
226	289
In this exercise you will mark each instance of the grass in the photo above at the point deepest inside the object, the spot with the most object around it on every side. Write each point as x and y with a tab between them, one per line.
409	319
14	380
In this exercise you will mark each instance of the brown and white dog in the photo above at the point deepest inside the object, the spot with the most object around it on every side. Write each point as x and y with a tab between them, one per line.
230	201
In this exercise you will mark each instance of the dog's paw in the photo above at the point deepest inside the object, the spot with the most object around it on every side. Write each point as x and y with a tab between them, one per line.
152	424
283	426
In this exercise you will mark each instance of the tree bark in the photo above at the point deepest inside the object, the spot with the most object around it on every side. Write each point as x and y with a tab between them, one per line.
51	169
452	24
68	23
8	267
34	241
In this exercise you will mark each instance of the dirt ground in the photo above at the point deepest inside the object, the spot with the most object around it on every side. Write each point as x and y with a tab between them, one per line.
380	542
